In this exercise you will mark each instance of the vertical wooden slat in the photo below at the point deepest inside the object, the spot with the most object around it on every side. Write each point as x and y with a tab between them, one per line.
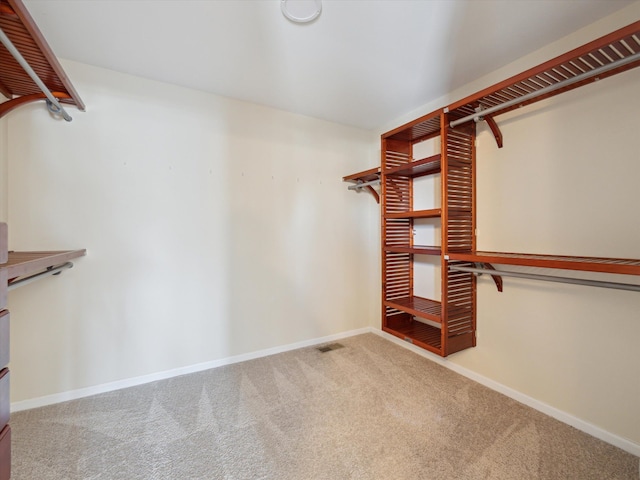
444	221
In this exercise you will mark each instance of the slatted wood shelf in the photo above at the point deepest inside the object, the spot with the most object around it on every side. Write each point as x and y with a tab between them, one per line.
418	306
417	168
420	334
588	264
20	264
365	176
618	45
15	83
432	213
415	249
423	128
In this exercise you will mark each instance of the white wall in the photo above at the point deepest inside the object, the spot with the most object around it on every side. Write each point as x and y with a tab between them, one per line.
566	182
213	228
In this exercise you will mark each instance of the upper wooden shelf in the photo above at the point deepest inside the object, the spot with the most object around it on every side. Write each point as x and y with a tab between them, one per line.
427	126
588	264
15	84
417	168
601	58
21	264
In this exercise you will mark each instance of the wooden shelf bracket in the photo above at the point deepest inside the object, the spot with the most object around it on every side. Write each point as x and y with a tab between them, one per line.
367	180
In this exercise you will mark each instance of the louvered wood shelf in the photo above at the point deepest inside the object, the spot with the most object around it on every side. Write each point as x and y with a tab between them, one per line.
432	213
418	306
15	83
618	45
418	333
414	249
365	176
587	264
21	264
418	168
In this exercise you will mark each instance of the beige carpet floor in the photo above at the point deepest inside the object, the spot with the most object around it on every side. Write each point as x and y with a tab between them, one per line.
369	410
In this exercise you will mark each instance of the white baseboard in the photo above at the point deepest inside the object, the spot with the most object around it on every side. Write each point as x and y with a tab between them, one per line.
564	417
553	412
132	382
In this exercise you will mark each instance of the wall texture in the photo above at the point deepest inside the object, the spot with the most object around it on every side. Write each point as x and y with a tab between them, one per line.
213	227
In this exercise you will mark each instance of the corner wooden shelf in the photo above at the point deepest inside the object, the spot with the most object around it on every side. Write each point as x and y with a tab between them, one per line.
368	177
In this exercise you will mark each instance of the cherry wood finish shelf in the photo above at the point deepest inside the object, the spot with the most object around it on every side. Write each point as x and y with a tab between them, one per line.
619	45
365	176
418	306
414	249
15	83
587	264
372	175
412	331
417	168
433	213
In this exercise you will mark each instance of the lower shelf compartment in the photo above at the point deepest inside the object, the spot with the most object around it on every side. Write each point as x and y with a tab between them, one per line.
412	331
427	336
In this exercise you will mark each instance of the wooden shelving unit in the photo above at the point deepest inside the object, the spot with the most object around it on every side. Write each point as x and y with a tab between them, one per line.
405	313
448	325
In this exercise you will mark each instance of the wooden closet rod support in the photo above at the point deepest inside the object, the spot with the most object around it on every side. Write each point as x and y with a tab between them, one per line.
51	271
52	102
551	88
549	278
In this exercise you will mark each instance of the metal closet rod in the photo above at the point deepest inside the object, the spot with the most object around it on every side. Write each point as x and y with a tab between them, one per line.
551	88
34	76
358	186
52	271
549	278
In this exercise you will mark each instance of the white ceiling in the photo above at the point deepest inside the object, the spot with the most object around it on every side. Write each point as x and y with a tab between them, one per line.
361	62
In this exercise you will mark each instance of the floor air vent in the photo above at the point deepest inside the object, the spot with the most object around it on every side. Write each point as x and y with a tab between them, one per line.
329	347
